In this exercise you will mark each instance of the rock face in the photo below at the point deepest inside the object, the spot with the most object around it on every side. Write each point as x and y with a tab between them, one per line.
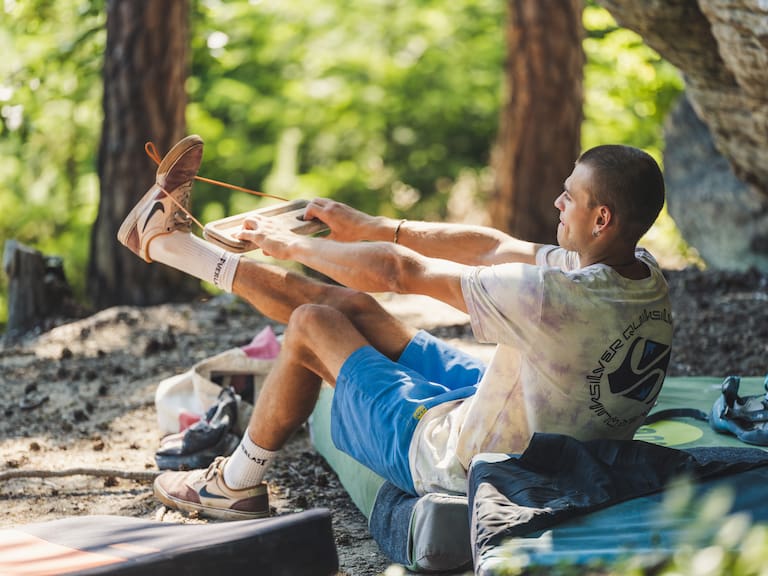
721	47
724	218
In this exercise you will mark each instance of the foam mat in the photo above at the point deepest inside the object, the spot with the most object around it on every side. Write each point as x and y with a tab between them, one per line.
290	545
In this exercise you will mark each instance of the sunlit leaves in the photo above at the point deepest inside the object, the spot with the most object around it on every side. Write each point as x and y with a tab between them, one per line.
50	120
381	92
629	88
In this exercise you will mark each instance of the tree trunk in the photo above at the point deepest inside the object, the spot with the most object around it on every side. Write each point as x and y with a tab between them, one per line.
540	126
145	68
37	289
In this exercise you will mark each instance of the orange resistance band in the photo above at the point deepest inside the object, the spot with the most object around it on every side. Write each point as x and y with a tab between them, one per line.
151	151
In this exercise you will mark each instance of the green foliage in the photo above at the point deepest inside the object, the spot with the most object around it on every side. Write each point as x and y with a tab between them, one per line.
371	102
50	119
629	89
386	104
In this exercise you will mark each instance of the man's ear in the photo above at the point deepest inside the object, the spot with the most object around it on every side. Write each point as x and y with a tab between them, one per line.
603	219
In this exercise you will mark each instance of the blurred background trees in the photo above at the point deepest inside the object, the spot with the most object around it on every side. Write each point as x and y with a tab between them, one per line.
391	106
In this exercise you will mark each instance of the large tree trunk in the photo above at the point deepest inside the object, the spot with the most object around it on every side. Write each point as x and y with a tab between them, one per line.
145	67
540	125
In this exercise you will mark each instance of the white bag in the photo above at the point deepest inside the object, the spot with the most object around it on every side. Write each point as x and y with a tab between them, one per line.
194	391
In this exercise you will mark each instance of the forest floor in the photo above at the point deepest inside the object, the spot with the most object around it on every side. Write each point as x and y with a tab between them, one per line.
82	395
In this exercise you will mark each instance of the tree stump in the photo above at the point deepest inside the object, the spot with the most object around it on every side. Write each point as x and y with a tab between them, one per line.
37	287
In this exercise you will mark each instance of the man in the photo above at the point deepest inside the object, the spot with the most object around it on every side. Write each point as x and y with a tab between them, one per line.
583	330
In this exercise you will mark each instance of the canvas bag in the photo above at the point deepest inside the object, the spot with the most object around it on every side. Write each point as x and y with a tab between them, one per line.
183	398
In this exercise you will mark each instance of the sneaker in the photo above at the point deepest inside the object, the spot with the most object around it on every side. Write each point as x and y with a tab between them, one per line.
201	443
204	491
165	206
194	448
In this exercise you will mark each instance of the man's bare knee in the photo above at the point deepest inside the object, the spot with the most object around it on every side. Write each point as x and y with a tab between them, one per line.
310	321
321	338
314	315
345	299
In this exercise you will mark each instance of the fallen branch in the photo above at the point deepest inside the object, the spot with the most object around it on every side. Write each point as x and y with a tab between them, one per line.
144	476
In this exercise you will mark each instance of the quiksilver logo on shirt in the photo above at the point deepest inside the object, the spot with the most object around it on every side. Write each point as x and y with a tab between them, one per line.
642	372
638	377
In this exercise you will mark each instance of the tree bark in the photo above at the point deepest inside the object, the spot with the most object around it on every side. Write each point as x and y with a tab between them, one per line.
37	289
540	126
145	68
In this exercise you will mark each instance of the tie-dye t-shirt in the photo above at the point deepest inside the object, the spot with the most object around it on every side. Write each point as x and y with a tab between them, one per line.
580	351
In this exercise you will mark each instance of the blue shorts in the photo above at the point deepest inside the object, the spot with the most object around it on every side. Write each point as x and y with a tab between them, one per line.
378	402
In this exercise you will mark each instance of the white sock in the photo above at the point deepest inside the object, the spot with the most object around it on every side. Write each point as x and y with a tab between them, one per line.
188	253
247	465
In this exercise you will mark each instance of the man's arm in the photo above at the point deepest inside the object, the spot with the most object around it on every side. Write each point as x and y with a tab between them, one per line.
366	266
465	244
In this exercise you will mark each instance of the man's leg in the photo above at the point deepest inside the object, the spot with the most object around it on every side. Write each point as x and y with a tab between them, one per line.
318	340
276	292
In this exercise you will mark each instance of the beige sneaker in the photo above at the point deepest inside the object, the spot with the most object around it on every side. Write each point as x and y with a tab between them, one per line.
165	206
204	491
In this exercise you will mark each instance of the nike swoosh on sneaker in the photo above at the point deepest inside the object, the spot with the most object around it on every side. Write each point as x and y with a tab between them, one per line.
204	493
157	206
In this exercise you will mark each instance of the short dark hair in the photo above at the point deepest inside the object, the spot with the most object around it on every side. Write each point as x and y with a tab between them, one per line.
629	182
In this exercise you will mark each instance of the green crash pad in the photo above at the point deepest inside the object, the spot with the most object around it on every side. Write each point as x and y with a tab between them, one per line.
678	392
699	393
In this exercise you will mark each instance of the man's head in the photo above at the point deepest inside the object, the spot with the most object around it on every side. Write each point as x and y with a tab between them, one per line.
629	182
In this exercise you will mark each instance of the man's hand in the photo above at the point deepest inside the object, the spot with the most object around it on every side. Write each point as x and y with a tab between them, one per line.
273	239
345	223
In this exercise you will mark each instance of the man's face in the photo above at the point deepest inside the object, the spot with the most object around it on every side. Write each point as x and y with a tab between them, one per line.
577	218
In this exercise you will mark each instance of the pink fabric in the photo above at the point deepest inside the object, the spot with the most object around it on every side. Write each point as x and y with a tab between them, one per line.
264	345
186	419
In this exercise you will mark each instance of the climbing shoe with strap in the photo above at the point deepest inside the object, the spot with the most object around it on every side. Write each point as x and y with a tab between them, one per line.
744	417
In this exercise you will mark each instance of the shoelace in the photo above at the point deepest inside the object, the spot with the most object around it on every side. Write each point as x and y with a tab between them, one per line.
214	468
152	152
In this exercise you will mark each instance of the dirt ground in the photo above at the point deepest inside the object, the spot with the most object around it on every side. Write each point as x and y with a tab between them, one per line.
82	395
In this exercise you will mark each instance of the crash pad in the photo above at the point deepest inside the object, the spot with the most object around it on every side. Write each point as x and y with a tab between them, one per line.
289	545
